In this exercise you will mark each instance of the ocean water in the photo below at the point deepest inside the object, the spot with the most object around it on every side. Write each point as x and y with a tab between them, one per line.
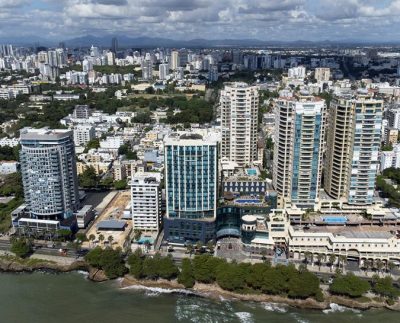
65	298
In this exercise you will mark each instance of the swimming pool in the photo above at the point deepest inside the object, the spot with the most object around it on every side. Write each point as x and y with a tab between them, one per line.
247	201
334	219
251	171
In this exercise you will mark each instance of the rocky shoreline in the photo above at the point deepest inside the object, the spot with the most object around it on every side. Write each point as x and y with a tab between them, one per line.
213	291
13	265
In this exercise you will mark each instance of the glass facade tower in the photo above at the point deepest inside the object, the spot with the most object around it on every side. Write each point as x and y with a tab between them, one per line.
49	176
299	141
191	180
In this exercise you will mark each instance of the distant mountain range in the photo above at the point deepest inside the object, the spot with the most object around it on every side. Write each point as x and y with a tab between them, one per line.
143	42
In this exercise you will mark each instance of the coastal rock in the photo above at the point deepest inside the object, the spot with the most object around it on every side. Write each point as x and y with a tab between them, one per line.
97	275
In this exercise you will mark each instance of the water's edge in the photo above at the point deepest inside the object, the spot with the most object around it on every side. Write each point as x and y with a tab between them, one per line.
212	291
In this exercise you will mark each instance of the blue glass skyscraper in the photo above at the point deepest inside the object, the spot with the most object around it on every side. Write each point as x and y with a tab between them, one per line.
191	178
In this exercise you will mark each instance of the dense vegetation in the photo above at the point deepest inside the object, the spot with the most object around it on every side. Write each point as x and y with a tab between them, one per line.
109	260
9	153
388	190
241	278
11	185
21	247
349	285
152	267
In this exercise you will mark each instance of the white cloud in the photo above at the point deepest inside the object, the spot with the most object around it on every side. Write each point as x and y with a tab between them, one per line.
262	19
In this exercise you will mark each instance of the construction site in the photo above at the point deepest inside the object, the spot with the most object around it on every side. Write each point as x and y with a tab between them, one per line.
113	226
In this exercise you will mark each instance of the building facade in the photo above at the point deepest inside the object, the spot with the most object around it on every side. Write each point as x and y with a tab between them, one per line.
298	150
191	175
146	201
354	139
239	115
83	134
49	176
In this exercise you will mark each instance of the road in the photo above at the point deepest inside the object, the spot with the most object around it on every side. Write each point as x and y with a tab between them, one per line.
43	249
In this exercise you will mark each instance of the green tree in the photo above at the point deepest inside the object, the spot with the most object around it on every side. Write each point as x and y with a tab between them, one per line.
64	234
21	247
205	267
81	237
186	276
384	287
121	184
142	117
135	262
109	260
167	268
88	178
231	276
303	285
349	285
137	234
92	144
332	259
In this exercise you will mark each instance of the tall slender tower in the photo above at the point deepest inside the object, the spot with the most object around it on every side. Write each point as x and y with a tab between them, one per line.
239	116
175	62
298	150
353	138
49	173
114	45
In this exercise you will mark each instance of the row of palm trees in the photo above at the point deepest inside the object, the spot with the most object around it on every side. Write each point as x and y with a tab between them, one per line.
102	238
321	258
368	264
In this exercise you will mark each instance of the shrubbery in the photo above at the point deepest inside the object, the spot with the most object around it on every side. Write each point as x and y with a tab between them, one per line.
241	278
349	285
21	247
109	260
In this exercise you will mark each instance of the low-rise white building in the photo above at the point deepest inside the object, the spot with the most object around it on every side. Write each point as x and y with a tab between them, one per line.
390	158
8	167
83	134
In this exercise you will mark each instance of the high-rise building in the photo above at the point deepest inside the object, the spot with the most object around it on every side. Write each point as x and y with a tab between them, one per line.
354	139
163	71
393	116
191	178
174	62
147	70
49	176
114	45
298	150
110	58
146	201
239	116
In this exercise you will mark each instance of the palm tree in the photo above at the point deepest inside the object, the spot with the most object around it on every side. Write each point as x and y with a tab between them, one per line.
332	259
379	265
189	248
321	257
137	234
110	239
367	265
390	267
342	260
308	257
92	237
101	238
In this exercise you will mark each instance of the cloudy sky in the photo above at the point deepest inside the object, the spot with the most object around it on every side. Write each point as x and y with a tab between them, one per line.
371	20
